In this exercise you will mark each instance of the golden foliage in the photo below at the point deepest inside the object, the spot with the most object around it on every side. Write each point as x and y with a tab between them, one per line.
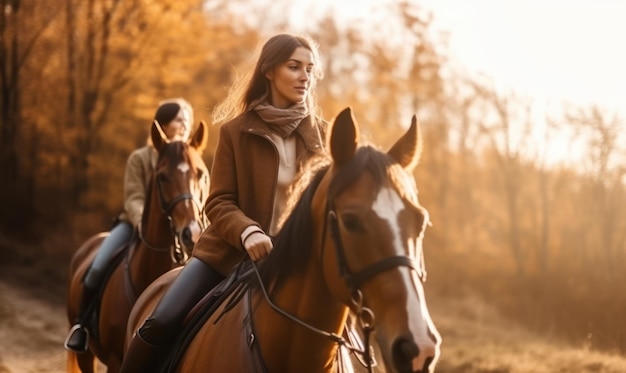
545	244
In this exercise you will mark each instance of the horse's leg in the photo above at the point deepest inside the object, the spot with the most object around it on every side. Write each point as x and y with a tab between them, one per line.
72	363
114	367
81	363
87	362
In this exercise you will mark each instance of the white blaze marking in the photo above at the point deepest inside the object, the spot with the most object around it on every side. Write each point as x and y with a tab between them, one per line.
183	167
387	206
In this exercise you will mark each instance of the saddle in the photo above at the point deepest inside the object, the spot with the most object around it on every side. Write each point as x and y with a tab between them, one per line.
235	288
235	284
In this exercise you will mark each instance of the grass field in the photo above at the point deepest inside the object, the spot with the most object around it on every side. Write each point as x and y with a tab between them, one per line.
476	339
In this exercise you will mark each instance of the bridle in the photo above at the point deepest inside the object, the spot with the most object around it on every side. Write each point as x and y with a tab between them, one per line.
177	253
355	280
365	316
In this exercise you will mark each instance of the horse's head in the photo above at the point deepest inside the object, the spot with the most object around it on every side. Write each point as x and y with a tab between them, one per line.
181	182
372	249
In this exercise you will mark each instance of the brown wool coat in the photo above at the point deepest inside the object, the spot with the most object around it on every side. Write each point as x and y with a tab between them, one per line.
243	180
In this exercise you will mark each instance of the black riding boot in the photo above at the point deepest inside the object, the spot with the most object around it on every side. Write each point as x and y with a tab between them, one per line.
78	337
141	356
154	340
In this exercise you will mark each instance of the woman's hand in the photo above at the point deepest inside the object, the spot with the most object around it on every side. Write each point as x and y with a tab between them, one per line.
258	245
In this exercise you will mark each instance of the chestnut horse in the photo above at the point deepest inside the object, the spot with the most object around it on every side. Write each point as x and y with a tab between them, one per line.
350	245
172	221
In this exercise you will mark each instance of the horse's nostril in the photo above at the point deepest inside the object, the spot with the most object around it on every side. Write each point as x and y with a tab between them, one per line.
429	360
187	239
403	352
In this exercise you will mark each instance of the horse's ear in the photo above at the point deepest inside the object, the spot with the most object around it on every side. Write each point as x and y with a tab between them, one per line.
344	137
200	137
408	148
158	137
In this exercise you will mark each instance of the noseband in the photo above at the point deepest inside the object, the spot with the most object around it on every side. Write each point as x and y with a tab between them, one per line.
355	280
365	316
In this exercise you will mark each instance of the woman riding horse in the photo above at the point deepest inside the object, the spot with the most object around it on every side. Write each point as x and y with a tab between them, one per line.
273	129
351	244
171	220
175	117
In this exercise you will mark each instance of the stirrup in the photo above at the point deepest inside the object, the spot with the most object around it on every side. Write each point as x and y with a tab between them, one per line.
77	328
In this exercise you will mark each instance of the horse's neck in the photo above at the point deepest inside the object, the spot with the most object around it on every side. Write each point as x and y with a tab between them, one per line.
157	231
152	256
288	346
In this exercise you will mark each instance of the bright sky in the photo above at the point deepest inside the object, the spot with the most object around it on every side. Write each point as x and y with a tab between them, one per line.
552	51
549	49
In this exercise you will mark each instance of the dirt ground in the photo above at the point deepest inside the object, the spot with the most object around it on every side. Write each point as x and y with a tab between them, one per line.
32	332
476	338
33	323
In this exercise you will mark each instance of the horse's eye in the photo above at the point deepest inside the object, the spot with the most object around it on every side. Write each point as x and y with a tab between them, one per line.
352	222
162	178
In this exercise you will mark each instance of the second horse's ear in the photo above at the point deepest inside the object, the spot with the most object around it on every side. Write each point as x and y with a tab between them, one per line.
200	137
408	148
344	137
158	137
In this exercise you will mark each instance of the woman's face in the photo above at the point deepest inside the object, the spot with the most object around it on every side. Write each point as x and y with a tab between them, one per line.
178	128
290	82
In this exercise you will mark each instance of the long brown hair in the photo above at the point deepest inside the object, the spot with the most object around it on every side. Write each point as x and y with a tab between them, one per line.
254	84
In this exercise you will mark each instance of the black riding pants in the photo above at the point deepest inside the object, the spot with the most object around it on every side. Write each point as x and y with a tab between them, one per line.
193	282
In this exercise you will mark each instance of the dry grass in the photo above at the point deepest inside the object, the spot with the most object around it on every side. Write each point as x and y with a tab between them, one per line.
476	339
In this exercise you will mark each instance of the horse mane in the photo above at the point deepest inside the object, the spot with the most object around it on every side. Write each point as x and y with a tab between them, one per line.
292	245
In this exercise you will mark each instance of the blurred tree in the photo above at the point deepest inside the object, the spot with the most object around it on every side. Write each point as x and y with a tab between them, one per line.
551	130
604	164
506	125
383	69
81	81
121	64
109	46
21	27
456	174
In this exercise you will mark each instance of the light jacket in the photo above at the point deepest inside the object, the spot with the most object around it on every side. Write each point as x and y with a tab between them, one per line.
139	169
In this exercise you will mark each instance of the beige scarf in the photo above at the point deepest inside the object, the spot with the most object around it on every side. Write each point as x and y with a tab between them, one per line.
282	121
